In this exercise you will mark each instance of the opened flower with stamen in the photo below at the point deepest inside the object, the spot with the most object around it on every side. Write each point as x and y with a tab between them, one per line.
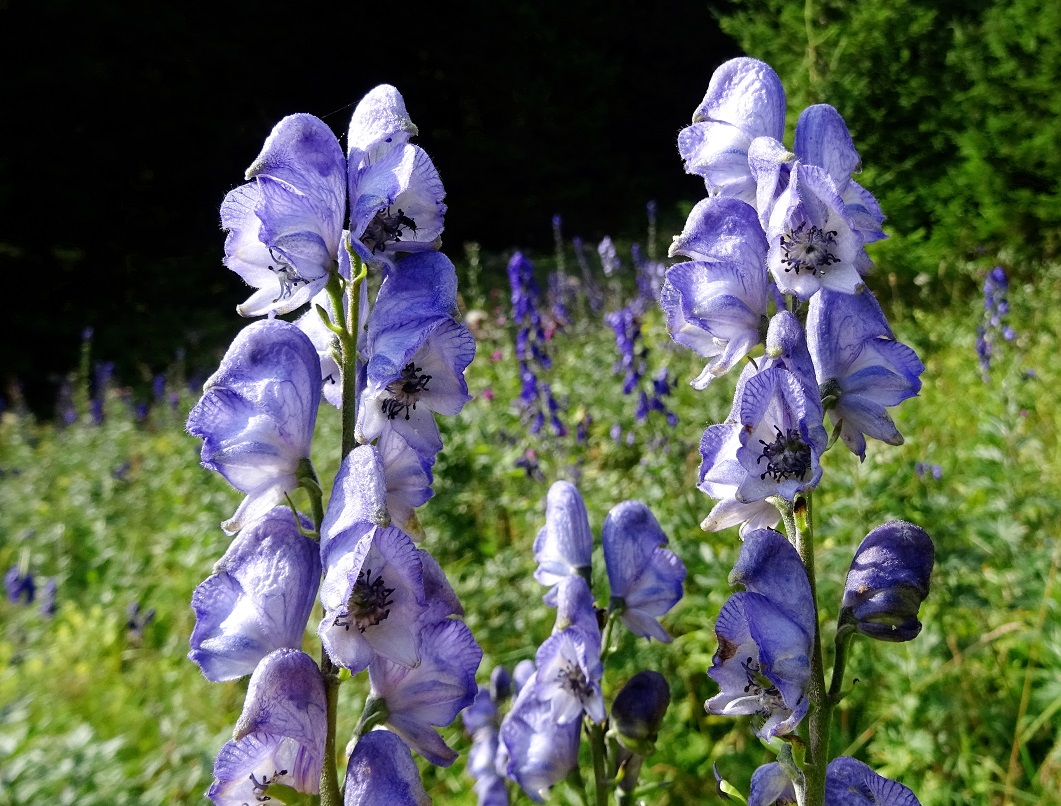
285	226
258	599
764	637
257	414
279	738
569	675
373	597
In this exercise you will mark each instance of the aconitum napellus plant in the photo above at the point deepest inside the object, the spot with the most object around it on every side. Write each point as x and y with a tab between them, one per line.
775	283
305	231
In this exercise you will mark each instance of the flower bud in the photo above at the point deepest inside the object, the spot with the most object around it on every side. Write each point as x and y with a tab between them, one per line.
638	710
887	582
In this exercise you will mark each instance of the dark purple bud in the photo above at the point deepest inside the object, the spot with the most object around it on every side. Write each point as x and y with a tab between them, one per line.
500	684
639	707
887	582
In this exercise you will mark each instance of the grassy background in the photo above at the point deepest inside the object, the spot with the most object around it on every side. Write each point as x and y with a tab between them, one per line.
92	713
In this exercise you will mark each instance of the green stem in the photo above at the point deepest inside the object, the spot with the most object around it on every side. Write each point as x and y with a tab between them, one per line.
600	774
348	343
840	645
330	795
820	710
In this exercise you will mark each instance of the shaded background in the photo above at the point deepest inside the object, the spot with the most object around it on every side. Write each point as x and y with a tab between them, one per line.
127	123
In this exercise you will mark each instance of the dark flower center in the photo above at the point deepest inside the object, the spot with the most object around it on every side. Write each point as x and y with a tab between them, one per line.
571	678
369	604
405	391
808	249
787	457
288	275
260	787
759	685
386	227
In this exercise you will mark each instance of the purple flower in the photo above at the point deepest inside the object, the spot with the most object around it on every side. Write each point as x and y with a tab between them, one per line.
285	226
716	303
373	597
774	446
744	100
887	582
849	782
540	751
379	124
257	414
19	586
860	366
417	354
574	604
764	637
609	257
408	478
564	545
638	709
431	694
258	599
645	578
279	738
569	675
381	770
813	243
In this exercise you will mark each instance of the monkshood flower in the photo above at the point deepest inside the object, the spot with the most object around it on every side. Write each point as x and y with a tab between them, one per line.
381	770
569	675
285	226
764	637
258	599
257	414
716	303
887	582
626	324
813	242
774	445
395	190
638	709
358	499
996	307
649	277
373	597
574	604
860	367
540	750
564	546
609	256
417	354
744	100
431	694
19	585
645	578
279	738
408	480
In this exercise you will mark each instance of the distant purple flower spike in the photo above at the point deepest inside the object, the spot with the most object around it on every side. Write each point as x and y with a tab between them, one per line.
432	693
744	100
279	738
849	782
564	545
887	582
284	227
540	751
257	414
763	661
645	578
716	304
258	599
381	770
813	243
373	597
860	366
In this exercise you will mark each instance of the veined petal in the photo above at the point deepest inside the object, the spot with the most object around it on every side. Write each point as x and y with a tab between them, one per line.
564	545
746	93
381	770
380	122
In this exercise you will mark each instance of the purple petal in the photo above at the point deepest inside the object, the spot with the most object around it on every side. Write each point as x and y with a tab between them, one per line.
381	770
565	544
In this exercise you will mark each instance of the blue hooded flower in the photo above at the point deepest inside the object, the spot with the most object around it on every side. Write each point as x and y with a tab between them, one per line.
258	599
716	303
744	100
638	709
645	578
417	353
813	242
860	366
569	675
257	414
381	770
279	738
432	693
564	546
849	782
887	582
764	637
285	226
540	751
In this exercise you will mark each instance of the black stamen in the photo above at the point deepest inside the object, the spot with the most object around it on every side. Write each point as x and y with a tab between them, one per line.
788	456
